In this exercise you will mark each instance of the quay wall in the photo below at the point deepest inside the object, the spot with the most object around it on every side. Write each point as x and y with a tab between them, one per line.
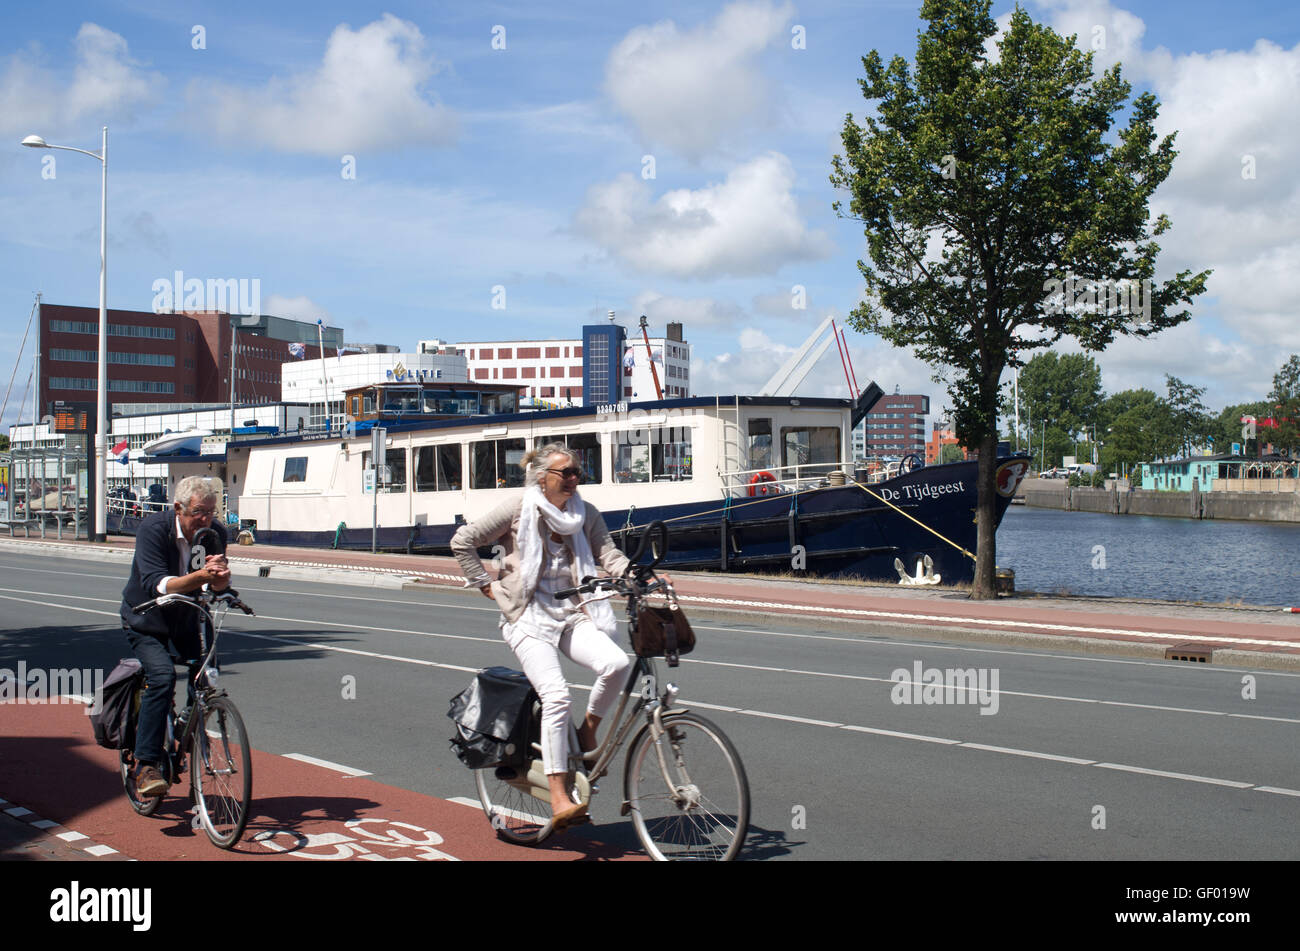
1243	506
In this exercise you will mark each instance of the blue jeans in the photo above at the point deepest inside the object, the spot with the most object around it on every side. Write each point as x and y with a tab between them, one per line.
160	673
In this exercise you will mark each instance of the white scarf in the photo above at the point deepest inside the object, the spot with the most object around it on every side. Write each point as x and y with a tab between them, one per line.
569	523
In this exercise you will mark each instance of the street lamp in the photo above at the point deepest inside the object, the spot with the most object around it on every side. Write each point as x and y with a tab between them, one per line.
101	413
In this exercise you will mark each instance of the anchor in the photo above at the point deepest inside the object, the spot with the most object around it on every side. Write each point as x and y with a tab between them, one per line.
924	572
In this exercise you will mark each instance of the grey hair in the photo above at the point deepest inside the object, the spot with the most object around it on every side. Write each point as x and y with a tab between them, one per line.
192	486
535	460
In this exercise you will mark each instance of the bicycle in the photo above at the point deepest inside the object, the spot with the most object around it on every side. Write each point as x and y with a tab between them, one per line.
209	731
674	817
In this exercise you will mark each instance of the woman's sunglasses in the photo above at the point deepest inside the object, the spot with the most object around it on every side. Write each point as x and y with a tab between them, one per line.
568	472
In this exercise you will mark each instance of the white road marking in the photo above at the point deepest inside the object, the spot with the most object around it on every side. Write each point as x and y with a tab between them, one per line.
18	812
792	719
1280	790
345	770
1189	777
45	824
464	801
100	850
921	737
1014	752
71	836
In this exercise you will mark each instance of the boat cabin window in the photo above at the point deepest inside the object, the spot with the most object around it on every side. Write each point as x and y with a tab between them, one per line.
760	443
437	468
295	469
369	404
587	448
494	403
395	459
450	403
658	454
817	446
494	464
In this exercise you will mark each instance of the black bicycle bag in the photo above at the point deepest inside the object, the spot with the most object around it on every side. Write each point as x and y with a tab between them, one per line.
110	717
491	718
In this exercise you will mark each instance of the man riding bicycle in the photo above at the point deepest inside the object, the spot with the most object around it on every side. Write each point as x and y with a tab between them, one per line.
162	565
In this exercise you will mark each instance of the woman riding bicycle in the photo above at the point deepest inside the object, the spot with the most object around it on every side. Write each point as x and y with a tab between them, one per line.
552	539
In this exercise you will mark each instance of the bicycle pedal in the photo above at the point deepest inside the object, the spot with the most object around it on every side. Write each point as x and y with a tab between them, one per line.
505	773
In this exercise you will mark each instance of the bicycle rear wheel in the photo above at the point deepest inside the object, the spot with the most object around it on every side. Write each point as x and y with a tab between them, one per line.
694	806
221	770
516	815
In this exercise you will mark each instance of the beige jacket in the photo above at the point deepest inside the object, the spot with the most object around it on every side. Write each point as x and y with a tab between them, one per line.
501	526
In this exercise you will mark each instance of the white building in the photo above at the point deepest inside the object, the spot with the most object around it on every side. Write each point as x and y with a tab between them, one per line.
316	382
552	370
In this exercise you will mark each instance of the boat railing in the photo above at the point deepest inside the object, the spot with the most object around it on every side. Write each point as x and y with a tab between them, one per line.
797	478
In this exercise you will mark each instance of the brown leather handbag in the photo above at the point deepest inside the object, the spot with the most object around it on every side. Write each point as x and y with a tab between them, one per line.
663	632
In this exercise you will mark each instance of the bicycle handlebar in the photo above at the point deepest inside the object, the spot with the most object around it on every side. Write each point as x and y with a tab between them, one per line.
230	596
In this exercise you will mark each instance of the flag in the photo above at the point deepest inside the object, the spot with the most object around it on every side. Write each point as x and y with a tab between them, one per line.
120	450
629	359
298	351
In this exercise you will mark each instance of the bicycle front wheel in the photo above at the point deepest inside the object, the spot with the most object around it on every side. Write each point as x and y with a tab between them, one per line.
517	815
688	792
221	770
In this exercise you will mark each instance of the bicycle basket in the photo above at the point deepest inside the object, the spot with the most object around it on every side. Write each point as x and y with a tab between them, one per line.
491	719
110	717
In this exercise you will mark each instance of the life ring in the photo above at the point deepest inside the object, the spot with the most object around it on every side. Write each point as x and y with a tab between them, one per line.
758	484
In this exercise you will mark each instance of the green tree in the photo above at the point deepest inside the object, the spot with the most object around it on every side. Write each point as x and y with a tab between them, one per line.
1062	389
1189	416
1285	399
983	187
1226	428
4	442
951	452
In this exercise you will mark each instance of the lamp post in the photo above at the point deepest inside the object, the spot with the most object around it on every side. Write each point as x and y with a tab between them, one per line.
101	412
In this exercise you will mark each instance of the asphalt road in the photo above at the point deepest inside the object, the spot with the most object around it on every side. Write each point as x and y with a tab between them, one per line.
1064	756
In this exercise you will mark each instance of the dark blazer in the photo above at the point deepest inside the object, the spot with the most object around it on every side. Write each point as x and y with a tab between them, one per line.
156	557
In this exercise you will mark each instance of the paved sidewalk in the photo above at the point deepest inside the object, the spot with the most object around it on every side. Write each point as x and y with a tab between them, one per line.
1240	635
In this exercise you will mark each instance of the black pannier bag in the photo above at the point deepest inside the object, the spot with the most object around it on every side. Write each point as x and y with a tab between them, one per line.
492	717
111	717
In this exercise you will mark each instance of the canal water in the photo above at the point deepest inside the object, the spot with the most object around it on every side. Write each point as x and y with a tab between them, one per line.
1178	559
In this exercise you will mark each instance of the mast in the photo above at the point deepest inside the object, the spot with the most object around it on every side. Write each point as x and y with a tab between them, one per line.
654	374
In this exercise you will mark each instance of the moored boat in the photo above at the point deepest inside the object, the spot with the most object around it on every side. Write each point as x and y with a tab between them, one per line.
744	483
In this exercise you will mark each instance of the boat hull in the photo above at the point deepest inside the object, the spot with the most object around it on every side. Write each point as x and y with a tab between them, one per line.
832	532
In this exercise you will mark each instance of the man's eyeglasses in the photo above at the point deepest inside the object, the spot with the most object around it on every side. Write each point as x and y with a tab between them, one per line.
200	513
568	472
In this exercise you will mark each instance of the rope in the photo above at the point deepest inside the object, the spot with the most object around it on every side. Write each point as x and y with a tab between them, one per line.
917	520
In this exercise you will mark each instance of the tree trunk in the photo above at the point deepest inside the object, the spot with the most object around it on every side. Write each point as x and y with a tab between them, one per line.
986	518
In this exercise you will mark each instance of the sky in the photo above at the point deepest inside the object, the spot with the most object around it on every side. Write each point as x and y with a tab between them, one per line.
503	171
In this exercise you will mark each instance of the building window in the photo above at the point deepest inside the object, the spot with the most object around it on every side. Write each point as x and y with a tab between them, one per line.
503	353
528	373
552	352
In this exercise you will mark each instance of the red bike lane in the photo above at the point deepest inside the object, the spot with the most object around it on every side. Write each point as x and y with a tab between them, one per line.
55	778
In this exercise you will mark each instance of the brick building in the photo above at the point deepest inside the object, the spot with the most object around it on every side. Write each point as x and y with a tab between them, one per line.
180	358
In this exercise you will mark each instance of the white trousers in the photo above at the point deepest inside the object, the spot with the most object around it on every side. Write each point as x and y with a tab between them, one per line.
583	643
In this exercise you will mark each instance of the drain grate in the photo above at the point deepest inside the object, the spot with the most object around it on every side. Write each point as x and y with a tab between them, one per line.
1189	652
264	571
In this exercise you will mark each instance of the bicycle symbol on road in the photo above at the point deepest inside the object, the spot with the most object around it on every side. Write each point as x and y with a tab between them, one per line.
374	840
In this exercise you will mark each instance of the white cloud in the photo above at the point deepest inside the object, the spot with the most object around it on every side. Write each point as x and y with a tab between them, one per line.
367	94
106	84
690	311
296	308
748	224
690	90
